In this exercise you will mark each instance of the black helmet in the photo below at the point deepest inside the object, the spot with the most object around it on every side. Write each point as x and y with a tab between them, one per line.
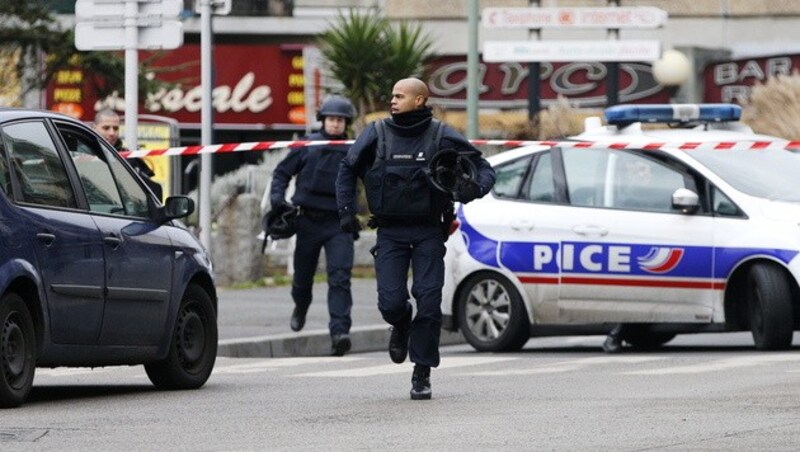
449	171
336	106
281	221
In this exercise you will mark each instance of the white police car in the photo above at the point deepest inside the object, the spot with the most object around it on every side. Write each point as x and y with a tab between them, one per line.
651	228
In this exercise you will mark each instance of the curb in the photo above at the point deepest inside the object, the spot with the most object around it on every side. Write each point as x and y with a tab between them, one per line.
315	343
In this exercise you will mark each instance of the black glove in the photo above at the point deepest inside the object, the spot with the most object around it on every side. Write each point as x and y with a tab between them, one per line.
349	223
468	190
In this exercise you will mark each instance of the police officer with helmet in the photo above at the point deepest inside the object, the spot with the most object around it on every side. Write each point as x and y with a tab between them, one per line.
317	221
413	216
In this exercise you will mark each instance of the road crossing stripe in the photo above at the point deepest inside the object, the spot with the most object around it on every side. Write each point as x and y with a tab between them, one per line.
571	365
721	364
387	369
274	363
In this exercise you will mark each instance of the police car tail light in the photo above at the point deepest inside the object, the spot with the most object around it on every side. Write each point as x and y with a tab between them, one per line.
623	115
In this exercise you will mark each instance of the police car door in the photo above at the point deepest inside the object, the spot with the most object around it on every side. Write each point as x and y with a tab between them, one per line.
628	255
518	231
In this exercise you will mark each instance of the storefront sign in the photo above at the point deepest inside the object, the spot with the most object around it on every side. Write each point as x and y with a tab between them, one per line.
255	84
732	81
575	50
613	17
505	85
265	85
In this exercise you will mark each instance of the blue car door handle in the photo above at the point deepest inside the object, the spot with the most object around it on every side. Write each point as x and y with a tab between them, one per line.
112	240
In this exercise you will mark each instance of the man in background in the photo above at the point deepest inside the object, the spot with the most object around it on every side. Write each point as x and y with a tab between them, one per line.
106	123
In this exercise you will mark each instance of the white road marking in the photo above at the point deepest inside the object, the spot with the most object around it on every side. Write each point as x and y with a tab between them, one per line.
571	365
386	369
275	363
721	364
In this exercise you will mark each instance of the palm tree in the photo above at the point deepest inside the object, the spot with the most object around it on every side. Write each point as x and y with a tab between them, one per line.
367	55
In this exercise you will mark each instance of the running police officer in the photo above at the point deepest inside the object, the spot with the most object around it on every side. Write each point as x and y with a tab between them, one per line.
316	168
412	217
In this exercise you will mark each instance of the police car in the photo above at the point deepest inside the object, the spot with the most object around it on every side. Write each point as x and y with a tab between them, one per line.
694	228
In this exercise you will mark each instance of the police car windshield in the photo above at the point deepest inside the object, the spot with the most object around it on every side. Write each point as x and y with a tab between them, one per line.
770	174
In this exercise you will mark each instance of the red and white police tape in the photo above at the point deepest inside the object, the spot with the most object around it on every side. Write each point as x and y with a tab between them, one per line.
261	146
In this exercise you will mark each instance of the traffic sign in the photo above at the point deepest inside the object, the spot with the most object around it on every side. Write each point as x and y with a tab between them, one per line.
102	24
110	35
611	17
573	51
115	9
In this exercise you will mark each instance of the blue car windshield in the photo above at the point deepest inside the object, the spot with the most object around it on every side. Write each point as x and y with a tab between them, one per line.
770	174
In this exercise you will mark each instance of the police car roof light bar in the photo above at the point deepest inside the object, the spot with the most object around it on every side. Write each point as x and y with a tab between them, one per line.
624	115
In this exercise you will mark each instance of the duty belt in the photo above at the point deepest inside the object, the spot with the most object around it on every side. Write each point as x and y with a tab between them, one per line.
317	214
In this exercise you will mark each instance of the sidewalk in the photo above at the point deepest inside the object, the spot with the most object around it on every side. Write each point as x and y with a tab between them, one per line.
255	323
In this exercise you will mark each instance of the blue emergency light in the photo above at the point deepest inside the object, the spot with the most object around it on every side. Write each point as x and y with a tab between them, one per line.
623	115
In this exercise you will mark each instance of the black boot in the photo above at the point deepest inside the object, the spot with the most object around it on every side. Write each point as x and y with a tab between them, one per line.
298	320
421	383
340	344
613	343
398	342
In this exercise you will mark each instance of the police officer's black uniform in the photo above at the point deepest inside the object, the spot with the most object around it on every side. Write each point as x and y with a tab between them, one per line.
408	235
316	168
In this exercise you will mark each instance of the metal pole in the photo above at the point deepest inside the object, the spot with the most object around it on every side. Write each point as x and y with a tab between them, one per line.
206	120
534	96
472	72
131	74
612	69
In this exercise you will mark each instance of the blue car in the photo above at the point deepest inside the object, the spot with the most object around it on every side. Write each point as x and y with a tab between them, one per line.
94	271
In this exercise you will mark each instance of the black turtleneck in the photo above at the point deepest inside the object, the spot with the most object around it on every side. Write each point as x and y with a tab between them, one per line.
411	123
409	118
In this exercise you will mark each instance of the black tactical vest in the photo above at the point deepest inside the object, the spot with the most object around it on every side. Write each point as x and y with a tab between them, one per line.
397	185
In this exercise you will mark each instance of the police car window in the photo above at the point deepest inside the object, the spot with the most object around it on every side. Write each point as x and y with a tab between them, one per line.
585	171
620	179
106	190
641	183
723	205
37	166
542	186
509	178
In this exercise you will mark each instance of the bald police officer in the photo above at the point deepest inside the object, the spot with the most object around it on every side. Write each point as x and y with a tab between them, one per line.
412	217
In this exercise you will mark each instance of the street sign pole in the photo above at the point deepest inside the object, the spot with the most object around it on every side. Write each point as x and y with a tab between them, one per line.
472	73
612	68
131	74
206	121
534	77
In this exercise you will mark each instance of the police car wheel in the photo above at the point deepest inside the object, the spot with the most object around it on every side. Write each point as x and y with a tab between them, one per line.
769	307
491	314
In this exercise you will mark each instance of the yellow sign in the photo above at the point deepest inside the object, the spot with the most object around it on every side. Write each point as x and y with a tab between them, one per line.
155	136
